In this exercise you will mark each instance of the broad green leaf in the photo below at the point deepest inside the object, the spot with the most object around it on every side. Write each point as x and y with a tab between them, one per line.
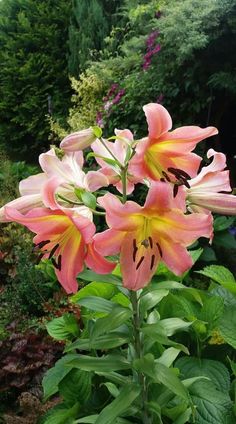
221	275
88	275
99	289
115	319
212	310
91	419
225	239
76	387
63	328
228	298
151	299
62	415
227	326
168	357
96	303
105	341
56	374
222	222
214	370
212	406
103	363
119	405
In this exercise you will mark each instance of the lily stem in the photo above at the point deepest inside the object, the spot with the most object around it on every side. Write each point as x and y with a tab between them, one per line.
138	352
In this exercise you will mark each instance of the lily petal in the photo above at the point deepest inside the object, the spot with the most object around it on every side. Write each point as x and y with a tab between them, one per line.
158	119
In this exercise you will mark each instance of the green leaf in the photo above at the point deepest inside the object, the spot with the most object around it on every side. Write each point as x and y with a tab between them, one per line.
105	341
168	357
171	325
63	328
212	310
89	199
76	387
115	319
103	363
62	415
184	417
221	275
167	285
213	406
157	333
224	239
88	275
227	326
119	405
151	299
98	289
222	222
161	374
112	389
214	370
96	303
56	374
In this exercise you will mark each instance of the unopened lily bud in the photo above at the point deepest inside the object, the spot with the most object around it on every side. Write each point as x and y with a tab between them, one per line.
78	141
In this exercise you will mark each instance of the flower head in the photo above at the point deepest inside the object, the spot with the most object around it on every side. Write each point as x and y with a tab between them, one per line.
162	151
206	191
145	235
67	239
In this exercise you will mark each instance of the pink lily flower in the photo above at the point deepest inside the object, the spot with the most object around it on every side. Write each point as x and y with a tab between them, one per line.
144	235
119	149
164	154
64	176
67	239
205	192
31	196
79	140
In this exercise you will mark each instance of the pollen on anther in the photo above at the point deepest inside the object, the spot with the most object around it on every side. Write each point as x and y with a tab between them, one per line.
139	262
152	262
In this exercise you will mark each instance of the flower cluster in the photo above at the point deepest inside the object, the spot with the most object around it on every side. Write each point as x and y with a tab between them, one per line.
112	98
152	49
59	203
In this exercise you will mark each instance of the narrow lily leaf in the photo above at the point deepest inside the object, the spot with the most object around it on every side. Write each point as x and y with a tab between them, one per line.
88	199
103	363
88	275
111	387
106	341
171	325
156	332
168	285
97	304
189	381
167	377
115	319
184	417
149	300
122	402
115	377
168	356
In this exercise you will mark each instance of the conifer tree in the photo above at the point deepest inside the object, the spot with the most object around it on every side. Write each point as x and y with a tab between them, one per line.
33	74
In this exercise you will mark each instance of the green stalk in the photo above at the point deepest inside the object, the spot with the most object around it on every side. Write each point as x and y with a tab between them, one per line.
136	322
138	353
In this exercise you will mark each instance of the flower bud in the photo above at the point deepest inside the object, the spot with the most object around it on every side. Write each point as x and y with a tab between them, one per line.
78	141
